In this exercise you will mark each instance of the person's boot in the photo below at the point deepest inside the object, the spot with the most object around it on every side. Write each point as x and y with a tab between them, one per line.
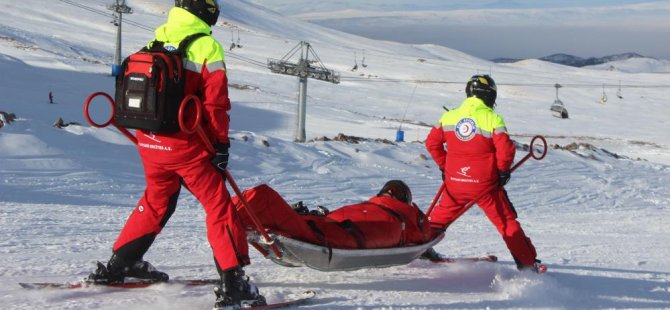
432	255
320	211
300	208
236	291
117	270
537	267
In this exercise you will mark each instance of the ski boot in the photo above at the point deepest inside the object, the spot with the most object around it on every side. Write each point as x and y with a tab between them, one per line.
319	211
537	267
236	291
117	270
432	255
300	208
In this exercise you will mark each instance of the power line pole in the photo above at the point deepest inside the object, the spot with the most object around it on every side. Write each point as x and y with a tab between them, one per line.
303	69
119	8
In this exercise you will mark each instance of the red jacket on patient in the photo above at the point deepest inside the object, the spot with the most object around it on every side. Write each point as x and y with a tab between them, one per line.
380	222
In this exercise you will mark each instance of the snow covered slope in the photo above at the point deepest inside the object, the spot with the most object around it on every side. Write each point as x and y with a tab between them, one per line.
598	219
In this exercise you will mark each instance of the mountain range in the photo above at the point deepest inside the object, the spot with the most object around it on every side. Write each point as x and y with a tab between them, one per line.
576	61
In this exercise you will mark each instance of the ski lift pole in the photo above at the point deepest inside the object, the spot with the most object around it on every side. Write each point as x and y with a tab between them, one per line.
196	128
531	153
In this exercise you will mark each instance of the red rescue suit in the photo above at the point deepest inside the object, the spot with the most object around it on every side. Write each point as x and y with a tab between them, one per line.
471	145
171	160
380	222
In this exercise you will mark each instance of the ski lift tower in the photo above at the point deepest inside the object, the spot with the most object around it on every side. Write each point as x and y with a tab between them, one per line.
119	8
305	68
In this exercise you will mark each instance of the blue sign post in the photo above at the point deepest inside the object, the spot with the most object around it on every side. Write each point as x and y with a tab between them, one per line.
399	135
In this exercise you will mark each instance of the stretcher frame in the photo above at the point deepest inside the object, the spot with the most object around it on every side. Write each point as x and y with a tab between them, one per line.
296	253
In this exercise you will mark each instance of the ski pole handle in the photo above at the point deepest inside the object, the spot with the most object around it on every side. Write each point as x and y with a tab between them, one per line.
531	152
109	121
195	127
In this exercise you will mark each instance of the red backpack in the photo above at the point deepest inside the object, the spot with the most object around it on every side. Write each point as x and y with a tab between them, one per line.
150	87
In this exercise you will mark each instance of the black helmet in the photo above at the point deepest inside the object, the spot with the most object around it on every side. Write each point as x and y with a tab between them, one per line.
398	190
484	88
207	10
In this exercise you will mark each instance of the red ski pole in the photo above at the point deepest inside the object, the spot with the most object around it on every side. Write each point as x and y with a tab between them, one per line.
531	153
247	208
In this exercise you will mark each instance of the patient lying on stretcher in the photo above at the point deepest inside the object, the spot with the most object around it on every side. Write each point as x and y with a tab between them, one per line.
387	220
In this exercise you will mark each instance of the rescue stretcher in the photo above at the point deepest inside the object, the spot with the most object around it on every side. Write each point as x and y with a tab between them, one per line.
295	253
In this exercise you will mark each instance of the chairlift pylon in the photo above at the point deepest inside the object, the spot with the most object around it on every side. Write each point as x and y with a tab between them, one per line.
558	108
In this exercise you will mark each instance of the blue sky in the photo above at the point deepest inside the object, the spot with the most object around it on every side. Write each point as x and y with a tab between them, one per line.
500	28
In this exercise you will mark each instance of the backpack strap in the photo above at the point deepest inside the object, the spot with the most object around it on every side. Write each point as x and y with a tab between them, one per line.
157	46
184	44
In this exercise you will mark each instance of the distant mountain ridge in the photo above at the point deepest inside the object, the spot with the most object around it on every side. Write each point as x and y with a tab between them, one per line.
576	61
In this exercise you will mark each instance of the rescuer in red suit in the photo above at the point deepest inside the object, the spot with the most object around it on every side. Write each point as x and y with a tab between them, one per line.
171	160
471	147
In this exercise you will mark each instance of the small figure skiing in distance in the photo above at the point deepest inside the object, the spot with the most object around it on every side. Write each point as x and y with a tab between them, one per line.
51	97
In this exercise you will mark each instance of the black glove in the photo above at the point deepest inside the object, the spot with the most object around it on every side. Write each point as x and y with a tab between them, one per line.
220	159
442	172
503	177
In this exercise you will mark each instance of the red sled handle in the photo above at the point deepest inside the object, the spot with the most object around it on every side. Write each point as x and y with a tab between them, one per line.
110	120
195	127
531	154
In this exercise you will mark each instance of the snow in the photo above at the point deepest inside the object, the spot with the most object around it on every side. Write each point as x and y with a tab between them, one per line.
598	220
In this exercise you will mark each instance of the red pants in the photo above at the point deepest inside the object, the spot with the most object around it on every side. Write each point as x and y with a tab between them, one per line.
500	212
225	233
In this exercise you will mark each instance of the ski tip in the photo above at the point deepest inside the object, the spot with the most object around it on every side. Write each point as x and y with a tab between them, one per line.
27	285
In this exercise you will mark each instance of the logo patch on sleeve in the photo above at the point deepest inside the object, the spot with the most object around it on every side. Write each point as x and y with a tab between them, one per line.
466	129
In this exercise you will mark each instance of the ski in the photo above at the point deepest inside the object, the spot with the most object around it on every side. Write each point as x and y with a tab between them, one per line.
443	259
539	268
301	298
128	284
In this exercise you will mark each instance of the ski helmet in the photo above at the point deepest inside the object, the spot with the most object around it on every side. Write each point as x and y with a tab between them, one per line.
207	10
398	190
484	88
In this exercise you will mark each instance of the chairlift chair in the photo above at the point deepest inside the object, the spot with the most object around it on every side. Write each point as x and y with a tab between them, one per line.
558	108
603	99
363	60
355	67
238	39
